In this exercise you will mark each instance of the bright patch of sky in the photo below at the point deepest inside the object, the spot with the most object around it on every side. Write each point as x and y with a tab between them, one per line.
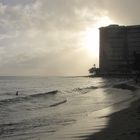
57	37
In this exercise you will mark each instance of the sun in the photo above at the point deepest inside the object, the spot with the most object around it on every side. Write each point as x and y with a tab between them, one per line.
91	41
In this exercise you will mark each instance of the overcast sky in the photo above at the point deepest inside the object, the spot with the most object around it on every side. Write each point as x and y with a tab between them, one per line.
53	37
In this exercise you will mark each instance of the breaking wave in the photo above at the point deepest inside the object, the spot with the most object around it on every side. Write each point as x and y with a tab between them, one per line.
125	86
19	99
45	94
58	103
84	89
45	99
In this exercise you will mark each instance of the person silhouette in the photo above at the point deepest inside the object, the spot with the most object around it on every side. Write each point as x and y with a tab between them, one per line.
17	93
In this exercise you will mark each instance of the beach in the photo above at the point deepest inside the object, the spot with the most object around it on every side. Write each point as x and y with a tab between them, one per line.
122	125
65	108
121	121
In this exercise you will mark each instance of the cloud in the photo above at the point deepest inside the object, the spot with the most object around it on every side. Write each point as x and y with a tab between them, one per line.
44	36
16	2
125	12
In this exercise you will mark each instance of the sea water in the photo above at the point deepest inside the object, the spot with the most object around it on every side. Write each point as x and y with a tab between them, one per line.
44	105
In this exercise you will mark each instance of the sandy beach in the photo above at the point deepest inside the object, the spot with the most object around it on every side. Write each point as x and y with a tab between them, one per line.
119	121
122	125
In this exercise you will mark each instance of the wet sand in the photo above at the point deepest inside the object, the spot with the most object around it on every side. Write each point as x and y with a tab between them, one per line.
113	122
122	125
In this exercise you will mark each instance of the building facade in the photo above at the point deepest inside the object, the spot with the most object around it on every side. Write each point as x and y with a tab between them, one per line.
117	47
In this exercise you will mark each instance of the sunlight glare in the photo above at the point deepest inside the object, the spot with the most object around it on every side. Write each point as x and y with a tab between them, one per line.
92	39
92	35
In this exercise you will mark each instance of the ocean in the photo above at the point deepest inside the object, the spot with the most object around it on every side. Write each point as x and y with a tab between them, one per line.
46	105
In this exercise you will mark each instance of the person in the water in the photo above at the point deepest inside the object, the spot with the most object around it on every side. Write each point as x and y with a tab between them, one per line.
17	93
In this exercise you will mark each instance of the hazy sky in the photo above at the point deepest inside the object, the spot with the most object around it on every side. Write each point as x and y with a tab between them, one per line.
57	37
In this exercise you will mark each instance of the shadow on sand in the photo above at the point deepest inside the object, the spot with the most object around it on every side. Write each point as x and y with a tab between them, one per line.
122	125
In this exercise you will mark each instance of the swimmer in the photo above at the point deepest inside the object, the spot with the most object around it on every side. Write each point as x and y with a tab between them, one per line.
17	93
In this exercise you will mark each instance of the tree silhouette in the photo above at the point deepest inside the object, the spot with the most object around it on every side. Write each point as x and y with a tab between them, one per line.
94	71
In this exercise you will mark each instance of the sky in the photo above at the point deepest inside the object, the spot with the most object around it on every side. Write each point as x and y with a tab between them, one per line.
57	37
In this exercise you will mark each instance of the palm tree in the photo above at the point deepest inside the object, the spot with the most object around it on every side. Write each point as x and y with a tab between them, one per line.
93	69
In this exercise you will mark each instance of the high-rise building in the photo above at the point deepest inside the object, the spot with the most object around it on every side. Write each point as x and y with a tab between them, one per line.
117	47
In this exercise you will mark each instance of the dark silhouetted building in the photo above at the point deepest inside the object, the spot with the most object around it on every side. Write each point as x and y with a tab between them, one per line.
117	47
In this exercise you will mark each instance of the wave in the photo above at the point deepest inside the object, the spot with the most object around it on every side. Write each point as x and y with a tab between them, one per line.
58	103
7	94
45	93
45	99
84	89
125	86
27	98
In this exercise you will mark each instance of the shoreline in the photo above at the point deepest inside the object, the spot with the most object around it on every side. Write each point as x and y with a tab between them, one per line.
122	125
86	128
